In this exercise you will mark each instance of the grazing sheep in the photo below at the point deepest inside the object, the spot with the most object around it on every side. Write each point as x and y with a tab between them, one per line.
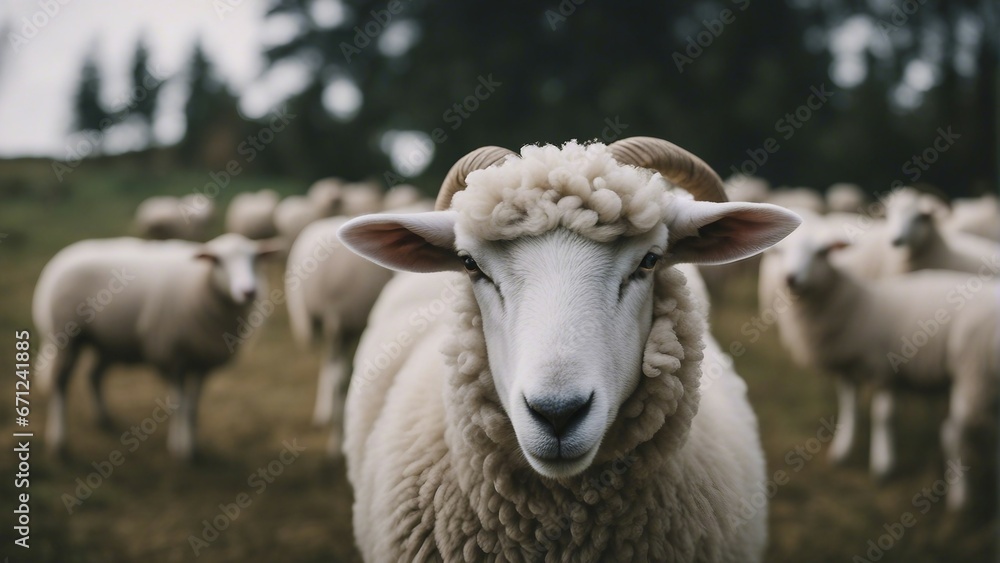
251	214
977	216
845	198
924	330
913	219
798	198
330	291
565	414
174	305
167	217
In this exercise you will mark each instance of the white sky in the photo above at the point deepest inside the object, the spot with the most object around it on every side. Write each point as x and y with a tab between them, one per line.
38	81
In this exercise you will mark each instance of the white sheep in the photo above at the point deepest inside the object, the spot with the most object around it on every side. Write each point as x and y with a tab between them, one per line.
361	198
976	216
845	198
565	414
174	305
325	198
330	291
403	195
798	198
740	187
167	217
251	214
921	330
913	221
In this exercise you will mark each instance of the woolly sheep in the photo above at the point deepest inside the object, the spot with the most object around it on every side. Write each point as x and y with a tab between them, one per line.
919	330
167	217
977	216
174	305
565	414
913	219
845	198
330	291
251	214
295	212
798	198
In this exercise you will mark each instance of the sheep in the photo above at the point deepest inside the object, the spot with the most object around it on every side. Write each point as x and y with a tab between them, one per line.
845	198
740	187
798	198
251	214
928	329
977	216
175	305
564	419
329	292
913	220
325	198
167	217
361	198
403	195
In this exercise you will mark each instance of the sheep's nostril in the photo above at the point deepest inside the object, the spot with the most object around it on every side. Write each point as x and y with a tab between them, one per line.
249	294
560	413
898	241
790	280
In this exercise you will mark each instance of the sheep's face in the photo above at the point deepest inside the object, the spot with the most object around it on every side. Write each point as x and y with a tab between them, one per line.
910	218
565	319
804	261
234	266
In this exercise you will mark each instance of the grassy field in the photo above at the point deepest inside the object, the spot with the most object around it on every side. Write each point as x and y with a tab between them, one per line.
149	507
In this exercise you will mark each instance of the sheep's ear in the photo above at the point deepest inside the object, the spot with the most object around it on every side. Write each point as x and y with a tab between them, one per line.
409	242
716	233
268	248
207	255
833	246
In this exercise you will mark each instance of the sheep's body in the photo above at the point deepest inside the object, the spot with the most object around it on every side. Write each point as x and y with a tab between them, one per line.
798	198
135	301
252	214
747	188
416	497
325	198
446	462
845	198
403	195
924	330
330	291
361	199
167	217
979	216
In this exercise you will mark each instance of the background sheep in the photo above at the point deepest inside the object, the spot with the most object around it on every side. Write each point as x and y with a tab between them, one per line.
330	291
251	214
924	330
798	198
167	217
845	198
480	453
173	305
977	216
913	220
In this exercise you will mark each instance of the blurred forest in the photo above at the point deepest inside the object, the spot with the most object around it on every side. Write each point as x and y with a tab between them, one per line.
718	78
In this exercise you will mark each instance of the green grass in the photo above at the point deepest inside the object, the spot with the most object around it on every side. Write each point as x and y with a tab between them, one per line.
150	506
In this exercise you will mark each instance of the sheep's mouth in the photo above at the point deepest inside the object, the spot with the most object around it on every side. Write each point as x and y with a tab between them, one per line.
560	465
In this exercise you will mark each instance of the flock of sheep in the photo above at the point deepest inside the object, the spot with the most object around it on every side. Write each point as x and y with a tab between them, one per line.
529	386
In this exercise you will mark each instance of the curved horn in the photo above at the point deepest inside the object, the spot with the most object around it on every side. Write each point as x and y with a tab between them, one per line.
674	163
454	182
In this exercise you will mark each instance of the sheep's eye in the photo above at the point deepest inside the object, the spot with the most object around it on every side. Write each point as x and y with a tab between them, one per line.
649	261
470	264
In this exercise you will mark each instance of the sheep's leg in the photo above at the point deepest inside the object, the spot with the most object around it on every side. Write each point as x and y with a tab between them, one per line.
180	439
883	457
952	437
97	373
55	428
336	439
330	373
847	405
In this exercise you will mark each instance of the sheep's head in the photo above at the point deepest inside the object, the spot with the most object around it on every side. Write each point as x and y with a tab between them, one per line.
234	265
802	261
911	217
560	245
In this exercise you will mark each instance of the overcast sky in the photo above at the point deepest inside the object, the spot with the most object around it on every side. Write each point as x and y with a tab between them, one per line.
38	75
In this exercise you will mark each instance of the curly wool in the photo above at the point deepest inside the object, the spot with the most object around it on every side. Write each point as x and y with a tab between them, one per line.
578	187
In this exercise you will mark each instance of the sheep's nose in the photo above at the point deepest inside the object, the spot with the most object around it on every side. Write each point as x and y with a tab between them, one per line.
249	294
790	280
559	413
898	241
